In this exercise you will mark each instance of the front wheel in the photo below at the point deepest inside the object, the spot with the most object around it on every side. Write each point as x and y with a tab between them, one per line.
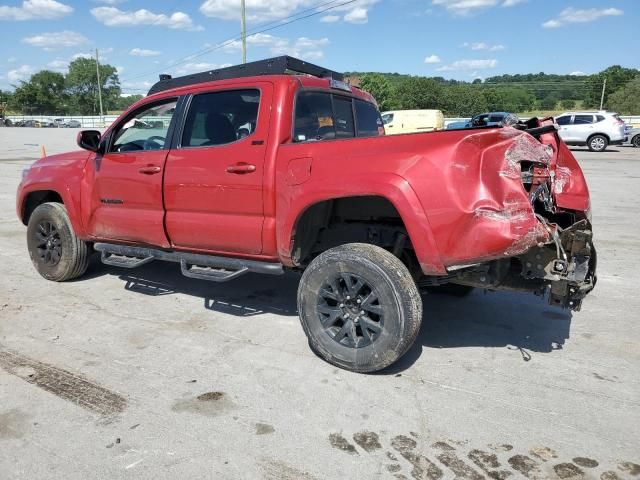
635	141
359	307
55	250
598	143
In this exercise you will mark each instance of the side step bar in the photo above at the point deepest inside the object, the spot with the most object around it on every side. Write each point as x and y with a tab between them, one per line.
193	265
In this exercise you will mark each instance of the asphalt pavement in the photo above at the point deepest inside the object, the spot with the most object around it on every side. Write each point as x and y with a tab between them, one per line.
147	374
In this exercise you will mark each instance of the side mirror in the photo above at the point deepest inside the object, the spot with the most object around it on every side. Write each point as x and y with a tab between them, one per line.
89	140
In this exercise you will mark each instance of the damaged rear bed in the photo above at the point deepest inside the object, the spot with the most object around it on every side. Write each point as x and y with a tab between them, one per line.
528	220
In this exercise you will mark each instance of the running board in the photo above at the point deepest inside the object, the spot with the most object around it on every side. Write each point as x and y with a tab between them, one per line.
193	265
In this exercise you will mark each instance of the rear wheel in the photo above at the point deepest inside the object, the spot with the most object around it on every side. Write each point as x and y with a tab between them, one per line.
597	143
359	307
55	250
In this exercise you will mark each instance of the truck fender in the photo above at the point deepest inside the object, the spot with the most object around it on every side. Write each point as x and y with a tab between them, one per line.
392	187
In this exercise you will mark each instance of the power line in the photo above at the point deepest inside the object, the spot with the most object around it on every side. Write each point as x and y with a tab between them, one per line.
267	27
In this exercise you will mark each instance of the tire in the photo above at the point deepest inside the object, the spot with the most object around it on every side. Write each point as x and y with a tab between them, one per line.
376	283
55	250
635	141
451	289
597	143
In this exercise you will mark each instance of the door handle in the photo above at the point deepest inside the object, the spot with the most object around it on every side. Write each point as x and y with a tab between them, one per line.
149	170
241	168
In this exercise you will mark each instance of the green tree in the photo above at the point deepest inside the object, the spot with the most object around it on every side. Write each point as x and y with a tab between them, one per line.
82	85
568	104
419	93
4	97
627	99
616	76
43	94
508	99
378	86
462	101
124	102
550	101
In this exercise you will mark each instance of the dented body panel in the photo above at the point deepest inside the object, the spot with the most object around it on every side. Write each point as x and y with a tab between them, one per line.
473	204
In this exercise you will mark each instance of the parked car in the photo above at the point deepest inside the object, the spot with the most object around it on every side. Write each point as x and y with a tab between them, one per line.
47	123
27	123
632	137
412	121
66	123
316	187
596	130
486	120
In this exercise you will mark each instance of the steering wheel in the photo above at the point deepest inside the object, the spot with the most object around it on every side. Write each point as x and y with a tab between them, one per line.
155	142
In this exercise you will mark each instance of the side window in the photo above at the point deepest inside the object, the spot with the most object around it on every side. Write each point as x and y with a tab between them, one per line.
583	119
599	118
219	118
479	120
368	119
343	117
565	120
387	118
314	117
146	130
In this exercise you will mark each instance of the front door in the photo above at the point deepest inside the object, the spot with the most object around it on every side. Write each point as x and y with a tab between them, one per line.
214	178
126	188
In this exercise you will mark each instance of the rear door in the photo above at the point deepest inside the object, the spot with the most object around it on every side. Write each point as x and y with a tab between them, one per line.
214	177
126	189
582	127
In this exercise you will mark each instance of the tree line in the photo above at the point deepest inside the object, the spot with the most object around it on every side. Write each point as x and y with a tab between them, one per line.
74	93
510	93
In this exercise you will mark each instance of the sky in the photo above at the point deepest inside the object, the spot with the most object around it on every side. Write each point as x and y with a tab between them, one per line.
460	39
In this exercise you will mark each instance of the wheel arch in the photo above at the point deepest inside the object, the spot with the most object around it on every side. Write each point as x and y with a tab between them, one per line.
599	134
36	198
391	195
30	199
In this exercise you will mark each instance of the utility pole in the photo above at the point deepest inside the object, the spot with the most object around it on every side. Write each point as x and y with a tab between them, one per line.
99	83
604	85
243	33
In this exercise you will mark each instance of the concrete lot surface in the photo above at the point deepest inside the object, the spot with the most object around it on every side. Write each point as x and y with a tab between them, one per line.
147	374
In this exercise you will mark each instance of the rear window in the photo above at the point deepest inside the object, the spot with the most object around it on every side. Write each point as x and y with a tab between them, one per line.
343	117
563	120
368	120
583	119
325	116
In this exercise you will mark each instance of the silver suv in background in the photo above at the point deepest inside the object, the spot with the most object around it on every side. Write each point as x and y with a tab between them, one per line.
596	130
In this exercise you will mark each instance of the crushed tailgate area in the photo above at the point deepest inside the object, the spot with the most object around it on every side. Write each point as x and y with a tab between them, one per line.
147	374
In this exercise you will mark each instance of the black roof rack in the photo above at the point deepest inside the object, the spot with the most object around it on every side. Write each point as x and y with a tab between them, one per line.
270	66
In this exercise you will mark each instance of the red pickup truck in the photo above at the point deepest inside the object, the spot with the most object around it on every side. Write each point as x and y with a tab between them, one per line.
278	165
